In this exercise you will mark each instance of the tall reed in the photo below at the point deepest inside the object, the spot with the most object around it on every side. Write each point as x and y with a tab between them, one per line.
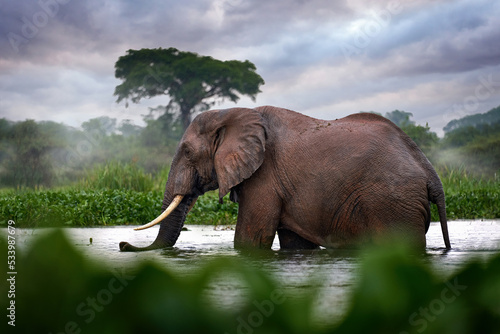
118	176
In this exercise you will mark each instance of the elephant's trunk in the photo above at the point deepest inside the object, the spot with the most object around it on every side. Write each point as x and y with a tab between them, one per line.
171	224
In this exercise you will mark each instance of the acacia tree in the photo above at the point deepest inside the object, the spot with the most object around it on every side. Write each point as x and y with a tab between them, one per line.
193	82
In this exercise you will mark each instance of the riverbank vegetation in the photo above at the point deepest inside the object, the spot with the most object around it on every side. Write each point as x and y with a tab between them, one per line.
395	292
117	194
106	174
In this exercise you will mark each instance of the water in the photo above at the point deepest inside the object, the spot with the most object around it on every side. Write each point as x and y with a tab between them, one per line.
333	272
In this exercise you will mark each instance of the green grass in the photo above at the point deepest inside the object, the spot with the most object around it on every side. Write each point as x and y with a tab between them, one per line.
75	207
208	210
469	197
117	175
124	194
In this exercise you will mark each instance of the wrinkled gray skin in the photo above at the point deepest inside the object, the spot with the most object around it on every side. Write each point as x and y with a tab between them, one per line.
314	182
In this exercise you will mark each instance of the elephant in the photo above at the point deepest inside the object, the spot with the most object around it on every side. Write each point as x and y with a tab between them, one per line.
315	183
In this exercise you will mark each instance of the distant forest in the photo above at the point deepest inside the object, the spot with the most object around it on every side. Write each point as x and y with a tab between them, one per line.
48	154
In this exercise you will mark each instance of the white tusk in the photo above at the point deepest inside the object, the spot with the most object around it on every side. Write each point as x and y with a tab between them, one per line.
164	215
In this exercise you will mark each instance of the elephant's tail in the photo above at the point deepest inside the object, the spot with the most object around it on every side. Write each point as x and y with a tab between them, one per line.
436	196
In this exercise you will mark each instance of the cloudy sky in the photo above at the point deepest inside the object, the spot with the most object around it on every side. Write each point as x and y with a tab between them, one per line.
437	59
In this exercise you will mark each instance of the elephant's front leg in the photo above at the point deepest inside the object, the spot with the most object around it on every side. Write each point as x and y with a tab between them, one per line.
258	219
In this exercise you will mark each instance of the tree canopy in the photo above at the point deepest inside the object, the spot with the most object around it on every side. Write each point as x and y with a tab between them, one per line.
477	120
400	118
193	82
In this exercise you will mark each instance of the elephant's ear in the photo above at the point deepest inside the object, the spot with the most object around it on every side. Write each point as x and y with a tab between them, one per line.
240	147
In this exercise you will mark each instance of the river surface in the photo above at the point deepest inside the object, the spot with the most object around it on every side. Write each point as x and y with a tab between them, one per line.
294	270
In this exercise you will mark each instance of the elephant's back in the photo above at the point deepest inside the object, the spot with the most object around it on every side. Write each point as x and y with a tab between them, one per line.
381	135
378	147
359	144
373	124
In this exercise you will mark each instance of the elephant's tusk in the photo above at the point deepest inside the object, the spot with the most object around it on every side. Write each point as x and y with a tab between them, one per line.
177	200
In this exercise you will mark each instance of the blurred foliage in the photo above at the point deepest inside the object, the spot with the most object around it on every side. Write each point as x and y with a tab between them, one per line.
57	290
473	143
100	126
163	128
48	154
398	293
25	148
475	148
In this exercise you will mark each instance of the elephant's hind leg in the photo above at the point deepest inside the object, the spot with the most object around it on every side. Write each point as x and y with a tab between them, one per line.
291	240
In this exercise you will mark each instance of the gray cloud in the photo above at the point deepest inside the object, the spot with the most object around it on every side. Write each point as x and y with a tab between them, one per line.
320	57
446	38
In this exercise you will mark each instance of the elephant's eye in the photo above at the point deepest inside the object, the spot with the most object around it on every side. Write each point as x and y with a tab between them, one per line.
188	152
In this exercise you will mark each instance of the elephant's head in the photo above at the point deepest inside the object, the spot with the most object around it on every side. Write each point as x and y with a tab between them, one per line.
219	149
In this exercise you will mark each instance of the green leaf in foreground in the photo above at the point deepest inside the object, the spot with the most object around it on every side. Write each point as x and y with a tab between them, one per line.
59	290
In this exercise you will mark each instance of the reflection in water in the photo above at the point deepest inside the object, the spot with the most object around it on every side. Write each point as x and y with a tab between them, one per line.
328	273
